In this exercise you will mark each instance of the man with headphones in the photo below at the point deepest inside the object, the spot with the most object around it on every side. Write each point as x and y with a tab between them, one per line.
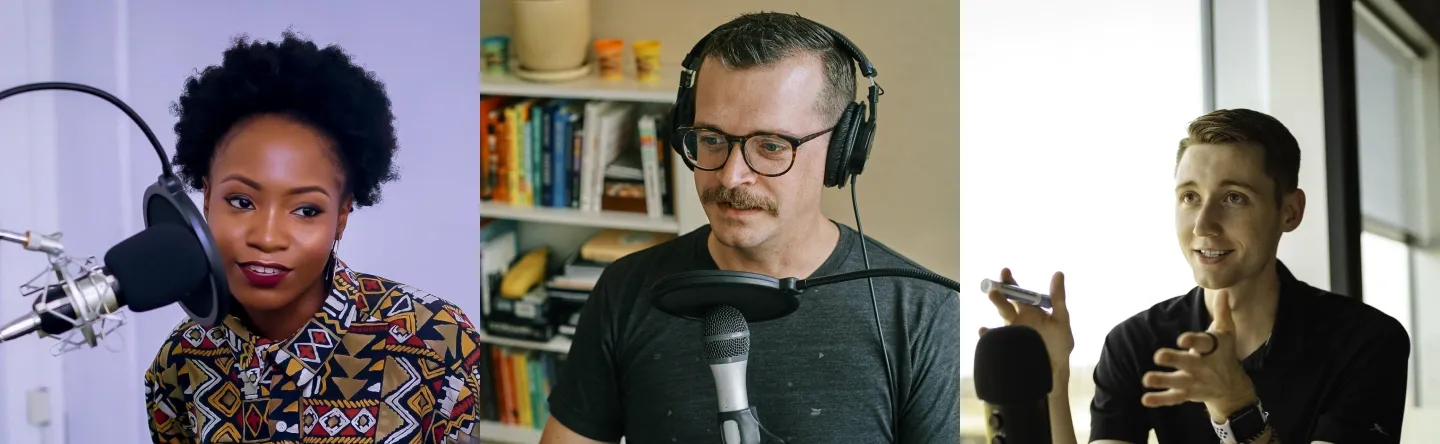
766	119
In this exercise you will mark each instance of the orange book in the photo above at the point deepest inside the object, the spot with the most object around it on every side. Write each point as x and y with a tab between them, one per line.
505	394
491	156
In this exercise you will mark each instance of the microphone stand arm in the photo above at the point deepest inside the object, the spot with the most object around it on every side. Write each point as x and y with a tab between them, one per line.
76	87
50	245
795	286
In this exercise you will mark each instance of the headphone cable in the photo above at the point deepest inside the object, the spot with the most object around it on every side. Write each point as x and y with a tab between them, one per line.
879	331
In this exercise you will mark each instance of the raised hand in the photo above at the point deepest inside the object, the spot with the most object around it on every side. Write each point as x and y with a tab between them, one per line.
1054	327
1207	371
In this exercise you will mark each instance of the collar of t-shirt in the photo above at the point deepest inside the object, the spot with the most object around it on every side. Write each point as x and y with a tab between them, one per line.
1287	336
832	264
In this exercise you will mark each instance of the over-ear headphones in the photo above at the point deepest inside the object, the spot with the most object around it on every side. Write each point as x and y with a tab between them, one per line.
849	143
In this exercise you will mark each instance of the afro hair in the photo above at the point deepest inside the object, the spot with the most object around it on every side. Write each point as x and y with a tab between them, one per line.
320	87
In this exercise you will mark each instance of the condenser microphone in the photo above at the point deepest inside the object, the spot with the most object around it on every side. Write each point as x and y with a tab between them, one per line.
1012	376
164	203
726	338
159	266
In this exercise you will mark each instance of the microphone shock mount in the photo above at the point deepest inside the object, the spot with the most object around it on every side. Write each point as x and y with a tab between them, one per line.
82	280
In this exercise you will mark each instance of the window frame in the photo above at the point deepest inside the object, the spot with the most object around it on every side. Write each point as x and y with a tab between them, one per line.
1385	20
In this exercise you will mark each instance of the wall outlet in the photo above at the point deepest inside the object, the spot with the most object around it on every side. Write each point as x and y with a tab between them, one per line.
37	409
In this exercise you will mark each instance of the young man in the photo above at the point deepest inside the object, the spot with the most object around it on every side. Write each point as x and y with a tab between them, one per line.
1251	354
814	376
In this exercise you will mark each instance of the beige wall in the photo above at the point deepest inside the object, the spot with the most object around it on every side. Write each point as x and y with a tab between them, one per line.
915	46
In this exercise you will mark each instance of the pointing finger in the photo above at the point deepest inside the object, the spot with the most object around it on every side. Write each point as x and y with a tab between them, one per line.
1223	321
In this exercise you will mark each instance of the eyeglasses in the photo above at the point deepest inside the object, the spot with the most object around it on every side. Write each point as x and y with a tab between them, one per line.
766	154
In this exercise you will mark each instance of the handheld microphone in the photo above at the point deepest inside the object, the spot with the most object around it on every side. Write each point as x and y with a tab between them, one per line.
1017	293
727	350
1012	376
159	266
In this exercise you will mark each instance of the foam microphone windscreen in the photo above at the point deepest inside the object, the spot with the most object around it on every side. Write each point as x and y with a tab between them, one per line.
157	267
726	335
1012	366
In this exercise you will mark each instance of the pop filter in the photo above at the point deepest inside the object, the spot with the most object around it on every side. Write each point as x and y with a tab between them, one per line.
760	298
690	295
165	202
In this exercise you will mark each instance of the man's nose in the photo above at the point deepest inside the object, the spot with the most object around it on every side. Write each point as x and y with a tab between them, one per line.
736	171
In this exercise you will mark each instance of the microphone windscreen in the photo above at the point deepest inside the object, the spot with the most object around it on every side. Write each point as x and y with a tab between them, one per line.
1012	366
726	335
157	267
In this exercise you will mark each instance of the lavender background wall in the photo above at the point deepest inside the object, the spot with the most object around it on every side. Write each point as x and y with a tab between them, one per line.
425	232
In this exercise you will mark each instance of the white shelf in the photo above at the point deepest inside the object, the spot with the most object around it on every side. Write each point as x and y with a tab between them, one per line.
624	220
497	433
590	87
560	344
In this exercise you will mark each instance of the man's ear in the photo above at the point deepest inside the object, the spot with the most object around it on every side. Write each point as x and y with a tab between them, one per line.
345	208
1292	210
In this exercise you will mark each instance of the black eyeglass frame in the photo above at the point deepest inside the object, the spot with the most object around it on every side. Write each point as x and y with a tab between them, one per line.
741	140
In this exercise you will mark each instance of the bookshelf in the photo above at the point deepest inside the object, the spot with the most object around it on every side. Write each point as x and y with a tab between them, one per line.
570	217
562	229
590	87
688	214
558	345
497	433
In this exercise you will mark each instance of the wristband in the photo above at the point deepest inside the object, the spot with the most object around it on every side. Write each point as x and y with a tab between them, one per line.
1243	426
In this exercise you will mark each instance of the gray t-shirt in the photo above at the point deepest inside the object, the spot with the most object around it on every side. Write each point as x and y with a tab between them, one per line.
815	376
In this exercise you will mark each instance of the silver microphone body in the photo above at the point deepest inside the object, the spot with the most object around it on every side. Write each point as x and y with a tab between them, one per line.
726	340
20	328
730	385
64	306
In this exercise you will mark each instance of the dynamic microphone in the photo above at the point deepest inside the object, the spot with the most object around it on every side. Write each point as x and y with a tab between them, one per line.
725	300
1012	376
159	266
726	337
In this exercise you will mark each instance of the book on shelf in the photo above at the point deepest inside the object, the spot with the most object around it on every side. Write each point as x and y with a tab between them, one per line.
499	247
609	245
548	303
516	385
568	290
588	155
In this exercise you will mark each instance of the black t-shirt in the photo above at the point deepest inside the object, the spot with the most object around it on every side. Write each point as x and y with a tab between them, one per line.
1333	370
815	376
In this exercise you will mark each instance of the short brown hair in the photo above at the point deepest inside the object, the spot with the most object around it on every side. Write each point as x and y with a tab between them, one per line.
763	38
1241	126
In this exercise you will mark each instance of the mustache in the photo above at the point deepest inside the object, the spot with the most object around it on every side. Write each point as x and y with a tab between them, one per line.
737	197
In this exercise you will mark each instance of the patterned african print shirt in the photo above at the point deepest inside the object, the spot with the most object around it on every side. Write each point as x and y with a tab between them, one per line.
381	363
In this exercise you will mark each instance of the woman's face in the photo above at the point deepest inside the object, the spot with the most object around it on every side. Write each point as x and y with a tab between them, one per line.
274	203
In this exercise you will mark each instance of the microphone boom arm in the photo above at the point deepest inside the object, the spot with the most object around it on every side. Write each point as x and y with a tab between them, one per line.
134	116
795	286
